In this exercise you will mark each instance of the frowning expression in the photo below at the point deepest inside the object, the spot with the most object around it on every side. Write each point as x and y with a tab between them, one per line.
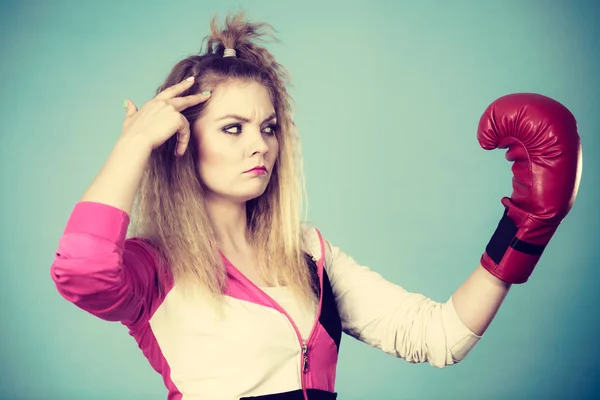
237	141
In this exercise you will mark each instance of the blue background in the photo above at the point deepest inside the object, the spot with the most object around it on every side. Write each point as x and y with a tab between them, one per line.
388	96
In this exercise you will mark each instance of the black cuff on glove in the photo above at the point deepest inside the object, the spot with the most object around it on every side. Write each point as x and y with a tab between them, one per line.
505	237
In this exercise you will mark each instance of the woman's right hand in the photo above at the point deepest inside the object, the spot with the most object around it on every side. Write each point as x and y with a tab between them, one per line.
160	118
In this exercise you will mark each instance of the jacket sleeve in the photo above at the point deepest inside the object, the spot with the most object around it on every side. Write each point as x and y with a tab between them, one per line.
100	271
386	316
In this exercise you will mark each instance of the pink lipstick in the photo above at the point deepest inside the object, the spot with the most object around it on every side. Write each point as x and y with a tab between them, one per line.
258	170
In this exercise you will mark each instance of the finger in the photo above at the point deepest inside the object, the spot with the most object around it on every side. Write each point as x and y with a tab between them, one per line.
181	103
130	108
183	137
176	89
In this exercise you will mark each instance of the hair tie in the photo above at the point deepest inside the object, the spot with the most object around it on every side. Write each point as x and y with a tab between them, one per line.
229	53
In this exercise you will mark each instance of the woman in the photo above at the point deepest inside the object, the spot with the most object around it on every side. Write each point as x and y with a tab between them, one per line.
226	292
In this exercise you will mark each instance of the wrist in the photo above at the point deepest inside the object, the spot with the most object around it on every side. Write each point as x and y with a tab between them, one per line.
133	148
516	245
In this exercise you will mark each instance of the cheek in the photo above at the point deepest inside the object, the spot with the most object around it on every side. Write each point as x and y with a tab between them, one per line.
212	162
211	157
211	151
273	145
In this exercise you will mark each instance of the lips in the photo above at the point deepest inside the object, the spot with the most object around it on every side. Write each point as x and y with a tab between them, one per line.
259	168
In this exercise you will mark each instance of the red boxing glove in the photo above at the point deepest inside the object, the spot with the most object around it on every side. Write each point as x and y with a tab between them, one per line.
542	141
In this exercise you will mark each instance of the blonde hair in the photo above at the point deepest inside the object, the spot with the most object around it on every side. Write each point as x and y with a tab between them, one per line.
169	209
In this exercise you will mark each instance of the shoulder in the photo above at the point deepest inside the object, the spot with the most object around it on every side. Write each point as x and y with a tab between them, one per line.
148	255
143	246
314	243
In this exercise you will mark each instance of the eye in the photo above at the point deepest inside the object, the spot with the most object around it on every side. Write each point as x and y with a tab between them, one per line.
228	129
271	129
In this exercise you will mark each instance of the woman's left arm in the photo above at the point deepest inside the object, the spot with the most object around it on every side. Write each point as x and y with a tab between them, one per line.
543	143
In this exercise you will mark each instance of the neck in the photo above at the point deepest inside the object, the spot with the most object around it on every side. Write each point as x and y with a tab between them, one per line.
229	223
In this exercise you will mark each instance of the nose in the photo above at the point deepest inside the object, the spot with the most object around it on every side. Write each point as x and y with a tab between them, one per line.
257	144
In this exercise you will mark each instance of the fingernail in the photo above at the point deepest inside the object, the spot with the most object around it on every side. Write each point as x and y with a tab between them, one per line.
124	103
191	78
206	92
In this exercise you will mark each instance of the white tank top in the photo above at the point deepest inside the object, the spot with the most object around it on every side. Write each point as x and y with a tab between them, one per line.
303	318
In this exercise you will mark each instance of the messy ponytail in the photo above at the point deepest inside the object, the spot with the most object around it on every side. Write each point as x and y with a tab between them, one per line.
170	209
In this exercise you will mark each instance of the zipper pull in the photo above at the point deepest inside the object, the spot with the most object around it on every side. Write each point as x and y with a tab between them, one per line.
305	355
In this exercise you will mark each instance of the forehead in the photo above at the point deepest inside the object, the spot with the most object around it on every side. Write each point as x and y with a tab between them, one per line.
248	99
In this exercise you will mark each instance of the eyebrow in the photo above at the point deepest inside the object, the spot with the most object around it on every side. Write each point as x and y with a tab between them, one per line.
244	119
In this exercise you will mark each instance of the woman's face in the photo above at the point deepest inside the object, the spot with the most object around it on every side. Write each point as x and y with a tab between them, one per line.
235	135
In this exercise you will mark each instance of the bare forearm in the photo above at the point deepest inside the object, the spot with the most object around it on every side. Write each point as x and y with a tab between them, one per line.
478	299
120	177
